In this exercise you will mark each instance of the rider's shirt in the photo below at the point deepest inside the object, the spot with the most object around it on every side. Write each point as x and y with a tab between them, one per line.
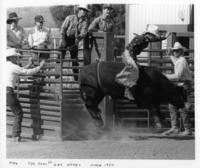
130	74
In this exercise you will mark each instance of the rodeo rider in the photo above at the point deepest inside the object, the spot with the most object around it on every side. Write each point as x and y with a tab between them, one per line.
183	76
73	30
130	73
13	70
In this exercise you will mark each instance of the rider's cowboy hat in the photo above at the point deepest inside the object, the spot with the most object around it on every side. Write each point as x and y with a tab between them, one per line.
107	6
12	17
11	52
178	46
153	29
39	18
84	7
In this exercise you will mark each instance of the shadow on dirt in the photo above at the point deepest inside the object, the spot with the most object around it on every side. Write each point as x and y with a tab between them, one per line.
147	137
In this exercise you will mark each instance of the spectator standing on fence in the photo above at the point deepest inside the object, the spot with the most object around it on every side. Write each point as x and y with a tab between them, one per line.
73	30
13	70
15	33
39	37
103	23
183	76
130	73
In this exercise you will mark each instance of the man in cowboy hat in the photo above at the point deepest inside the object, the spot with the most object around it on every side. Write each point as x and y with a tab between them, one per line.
103	23
73	30
140	42
13	70
15	33
183	76
130	73
39	37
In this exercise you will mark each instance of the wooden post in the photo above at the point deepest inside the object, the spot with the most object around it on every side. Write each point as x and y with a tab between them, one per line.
102	48
191	46
86	50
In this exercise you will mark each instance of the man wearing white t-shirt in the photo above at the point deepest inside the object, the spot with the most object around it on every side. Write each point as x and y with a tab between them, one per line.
39	38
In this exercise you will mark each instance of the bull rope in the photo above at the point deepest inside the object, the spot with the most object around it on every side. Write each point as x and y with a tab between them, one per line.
98	75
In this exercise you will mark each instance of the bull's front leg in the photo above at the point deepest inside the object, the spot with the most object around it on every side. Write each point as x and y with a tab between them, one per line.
92	98
95	113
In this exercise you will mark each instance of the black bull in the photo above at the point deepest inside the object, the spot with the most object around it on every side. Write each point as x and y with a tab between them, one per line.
153	88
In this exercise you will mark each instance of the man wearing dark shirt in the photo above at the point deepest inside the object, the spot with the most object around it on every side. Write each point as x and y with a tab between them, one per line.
15	33
103	23
73	30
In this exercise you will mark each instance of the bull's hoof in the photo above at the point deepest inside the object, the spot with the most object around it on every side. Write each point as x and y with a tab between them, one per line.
99	123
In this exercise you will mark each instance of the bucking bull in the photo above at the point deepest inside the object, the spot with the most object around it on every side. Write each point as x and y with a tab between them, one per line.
153	88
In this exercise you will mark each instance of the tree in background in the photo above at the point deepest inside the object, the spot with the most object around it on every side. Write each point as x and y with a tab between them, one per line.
119	19
59	13
96	11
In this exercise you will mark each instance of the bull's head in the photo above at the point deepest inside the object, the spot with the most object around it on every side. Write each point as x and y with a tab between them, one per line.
178	97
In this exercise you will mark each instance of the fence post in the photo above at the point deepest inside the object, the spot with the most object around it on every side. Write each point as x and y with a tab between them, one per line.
86	50
102	46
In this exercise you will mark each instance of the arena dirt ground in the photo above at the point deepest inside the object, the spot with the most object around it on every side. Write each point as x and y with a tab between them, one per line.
121	144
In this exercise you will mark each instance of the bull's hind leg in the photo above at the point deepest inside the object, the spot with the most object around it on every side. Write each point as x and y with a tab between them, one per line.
92	97
156	115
